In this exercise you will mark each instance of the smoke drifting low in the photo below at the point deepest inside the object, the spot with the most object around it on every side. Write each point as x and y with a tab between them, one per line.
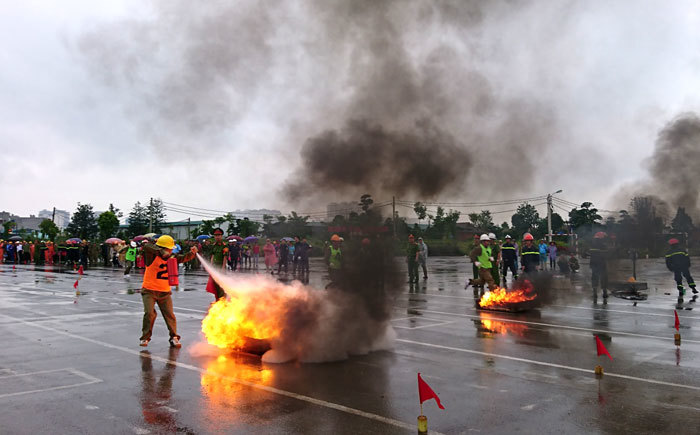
365	157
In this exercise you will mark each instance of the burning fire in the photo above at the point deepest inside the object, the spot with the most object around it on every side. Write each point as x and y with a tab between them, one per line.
257	313
500	297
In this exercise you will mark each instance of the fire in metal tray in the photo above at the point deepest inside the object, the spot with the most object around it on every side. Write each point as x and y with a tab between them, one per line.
499	299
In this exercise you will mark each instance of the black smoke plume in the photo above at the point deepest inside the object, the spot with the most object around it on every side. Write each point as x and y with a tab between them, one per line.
365	157
674	166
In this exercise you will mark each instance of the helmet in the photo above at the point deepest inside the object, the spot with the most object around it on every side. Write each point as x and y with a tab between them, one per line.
165	242
492	236
508	236
673	241
133	244
528	236
484	237
335	238
600	235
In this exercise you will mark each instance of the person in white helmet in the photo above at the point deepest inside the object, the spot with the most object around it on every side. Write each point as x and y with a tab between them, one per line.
483	259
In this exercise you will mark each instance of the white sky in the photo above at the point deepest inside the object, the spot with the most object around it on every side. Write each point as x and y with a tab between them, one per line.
625	68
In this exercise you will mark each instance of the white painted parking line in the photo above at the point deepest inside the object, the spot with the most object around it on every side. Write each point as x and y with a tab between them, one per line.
308	399
423	326
547	364
88	380
555	325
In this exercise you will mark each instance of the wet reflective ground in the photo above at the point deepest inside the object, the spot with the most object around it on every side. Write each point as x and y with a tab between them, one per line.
73	365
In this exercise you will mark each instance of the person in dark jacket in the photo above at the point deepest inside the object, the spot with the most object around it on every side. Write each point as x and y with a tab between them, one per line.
529	254
599	265
678	262
509	258
234	254
283	256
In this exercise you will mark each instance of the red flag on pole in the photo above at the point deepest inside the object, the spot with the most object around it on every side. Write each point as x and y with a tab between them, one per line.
601	349
677	325
427	393
80	270
75	284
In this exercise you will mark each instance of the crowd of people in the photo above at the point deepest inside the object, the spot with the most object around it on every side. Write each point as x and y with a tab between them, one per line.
492	259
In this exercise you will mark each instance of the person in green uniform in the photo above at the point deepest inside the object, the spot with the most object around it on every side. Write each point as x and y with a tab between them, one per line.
335	259
218	251
412	251
130	257
482	258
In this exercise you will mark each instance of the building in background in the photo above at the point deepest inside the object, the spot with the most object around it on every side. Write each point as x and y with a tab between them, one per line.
30	223
62	218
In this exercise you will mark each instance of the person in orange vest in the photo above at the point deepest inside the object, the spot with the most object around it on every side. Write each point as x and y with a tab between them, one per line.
156	288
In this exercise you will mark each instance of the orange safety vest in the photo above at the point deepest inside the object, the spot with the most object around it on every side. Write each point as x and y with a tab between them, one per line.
156	276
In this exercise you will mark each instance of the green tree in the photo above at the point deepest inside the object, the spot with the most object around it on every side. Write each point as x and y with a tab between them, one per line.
366	202
49	228
108	224
296	225
7	227
525	219
137	220
83	223
421	210
118	213
483	222
156	215
682	222
246	227
586	216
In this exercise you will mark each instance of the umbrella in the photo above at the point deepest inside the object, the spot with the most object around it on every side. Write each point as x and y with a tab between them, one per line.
234	237
203	237
114	240
74	240
15	238
288	239
149	235
139	238
250	239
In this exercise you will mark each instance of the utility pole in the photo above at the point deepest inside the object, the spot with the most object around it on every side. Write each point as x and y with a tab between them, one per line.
53	215
188	229
393	213
150	217
549	214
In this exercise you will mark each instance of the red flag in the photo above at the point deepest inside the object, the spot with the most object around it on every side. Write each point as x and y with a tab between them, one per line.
427	393
601	349
80	270
678	322
75	284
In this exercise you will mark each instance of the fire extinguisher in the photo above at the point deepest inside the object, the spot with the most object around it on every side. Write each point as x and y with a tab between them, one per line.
173	279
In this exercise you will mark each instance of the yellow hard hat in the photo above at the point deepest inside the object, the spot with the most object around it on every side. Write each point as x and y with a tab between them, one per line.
165	242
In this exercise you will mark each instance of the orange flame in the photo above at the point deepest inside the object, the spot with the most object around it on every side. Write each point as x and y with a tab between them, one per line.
500	297
257	313
499	327
222	380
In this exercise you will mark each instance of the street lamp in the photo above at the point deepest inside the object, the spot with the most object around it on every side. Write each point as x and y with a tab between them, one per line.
549	214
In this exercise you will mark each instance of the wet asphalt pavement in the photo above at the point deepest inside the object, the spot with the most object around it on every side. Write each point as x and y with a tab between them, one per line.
73	364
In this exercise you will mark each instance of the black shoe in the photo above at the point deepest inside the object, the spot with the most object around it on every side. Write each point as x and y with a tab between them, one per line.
695	291
425	277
